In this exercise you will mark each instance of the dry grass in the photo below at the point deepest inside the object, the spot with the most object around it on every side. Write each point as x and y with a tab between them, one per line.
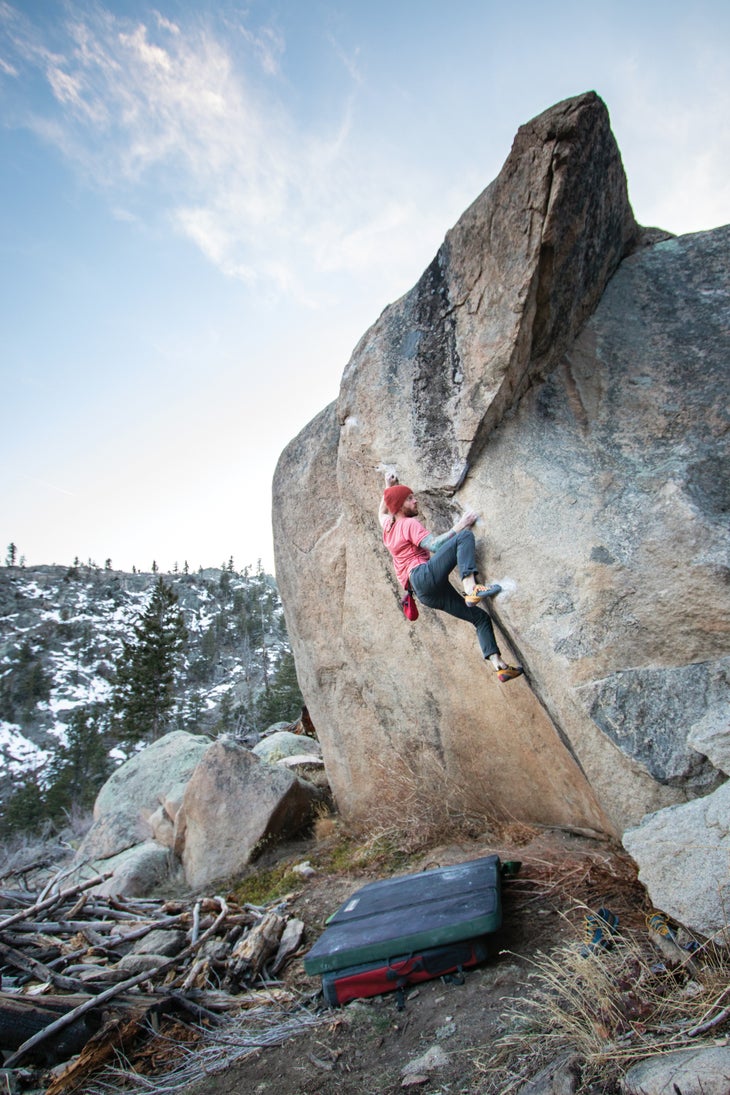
609	1009
23	853
578	880
419	806
172	1064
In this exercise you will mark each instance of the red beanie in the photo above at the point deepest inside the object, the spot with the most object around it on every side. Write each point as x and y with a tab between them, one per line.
395	497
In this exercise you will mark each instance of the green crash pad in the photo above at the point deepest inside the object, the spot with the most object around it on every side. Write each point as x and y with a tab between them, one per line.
408	913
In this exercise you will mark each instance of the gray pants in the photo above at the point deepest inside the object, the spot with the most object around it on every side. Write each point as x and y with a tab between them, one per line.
431	585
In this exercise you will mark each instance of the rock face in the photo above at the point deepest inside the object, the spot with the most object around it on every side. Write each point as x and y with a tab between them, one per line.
564	373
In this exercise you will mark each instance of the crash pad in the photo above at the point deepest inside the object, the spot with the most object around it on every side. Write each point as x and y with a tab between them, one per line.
407	913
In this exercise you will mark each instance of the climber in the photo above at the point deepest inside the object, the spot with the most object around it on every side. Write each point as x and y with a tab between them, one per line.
424	561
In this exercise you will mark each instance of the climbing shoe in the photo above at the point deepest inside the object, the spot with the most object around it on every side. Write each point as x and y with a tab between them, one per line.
658	922
598	929
509	673
480	593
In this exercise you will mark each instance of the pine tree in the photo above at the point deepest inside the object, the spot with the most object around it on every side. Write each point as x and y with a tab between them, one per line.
281	700
77	769
23	685
24	811
10	557
148	668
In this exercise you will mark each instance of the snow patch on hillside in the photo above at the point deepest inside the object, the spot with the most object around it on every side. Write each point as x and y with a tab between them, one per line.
20	753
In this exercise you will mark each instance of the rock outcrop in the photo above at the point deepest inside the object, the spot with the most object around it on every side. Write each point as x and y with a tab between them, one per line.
563	372
701	1071
127	806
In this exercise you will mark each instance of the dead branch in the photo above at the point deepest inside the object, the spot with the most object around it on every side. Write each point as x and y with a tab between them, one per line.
707	1024
104	1046
38	969
48	902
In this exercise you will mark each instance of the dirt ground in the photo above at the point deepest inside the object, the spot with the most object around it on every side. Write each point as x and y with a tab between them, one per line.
365	1046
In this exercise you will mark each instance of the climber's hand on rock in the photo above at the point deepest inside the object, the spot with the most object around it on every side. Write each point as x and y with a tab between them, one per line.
466	520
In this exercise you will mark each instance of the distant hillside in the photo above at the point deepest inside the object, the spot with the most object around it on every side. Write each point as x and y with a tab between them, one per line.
62	632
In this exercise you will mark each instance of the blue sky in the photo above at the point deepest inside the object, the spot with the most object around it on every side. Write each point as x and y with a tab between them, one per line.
203	206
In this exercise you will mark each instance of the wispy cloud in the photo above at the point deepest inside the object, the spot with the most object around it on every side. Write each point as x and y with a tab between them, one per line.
196	124
47	485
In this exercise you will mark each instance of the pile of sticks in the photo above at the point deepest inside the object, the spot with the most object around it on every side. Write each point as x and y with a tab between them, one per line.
75	964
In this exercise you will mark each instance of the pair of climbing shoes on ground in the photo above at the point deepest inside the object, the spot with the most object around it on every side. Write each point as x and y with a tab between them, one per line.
600	927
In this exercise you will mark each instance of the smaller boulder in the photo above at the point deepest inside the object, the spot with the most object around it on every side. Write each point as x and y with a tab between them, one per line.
300	761
559	1077
164	941
233	803
133	964
701	1071
682	853
137	871
285	744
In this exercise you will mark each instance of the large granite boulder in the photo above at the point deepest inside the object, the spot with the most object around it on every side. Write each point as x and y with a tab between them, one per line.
683	853
564	373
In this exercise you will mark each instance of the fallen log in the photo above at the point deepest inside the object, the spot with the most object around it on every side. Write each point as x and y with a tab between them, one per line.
22	1017
61	927
116	1037
139	933
289	944
248	956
